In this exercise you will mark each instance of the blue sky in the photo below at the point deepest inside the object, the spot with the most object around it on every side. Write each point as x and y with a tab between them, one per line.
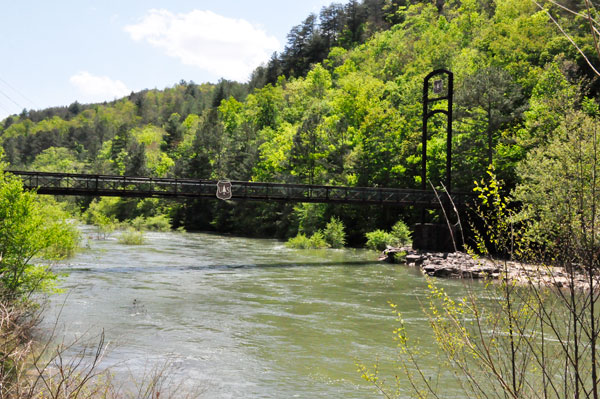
58	52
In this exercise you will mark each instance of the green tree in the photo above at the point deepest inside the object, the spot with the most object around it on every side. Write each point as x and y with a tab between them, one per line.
57	159
334	233
491	100
29	230
565	168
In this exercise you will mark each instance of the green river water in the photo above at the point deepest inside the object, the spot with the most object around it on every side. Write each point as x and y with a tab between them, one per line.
239	317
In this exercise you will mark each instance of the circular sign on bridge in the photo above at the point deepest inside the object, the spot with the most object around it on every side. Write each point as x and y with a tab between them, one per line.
224	189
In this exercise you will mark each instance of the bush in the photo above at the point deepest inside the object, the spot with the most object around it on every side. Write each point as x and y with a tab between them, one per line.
529	336
158	223
301	241
131	237
401	234
138	223
317	240
152	223
310	217
379	240
96	215
334	233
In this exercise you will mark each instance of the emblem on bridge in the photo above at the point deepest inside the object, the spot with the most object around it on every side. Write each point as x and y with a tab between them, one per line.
438	86
224	189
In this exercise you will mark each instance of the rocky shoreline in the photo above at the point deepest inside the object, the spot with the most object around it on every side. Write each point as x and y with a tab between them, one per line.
463	265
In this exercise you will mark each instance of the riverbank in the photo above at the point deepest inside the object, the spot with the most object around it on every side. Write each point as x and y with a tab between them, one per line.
463	265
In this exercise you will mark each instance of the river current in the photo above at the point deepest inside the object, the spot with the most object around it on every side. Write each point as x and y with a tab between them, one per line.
238	317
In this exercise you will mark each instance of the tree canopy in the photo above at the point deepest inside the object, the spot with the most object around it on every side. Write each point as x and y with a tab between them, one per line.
340	105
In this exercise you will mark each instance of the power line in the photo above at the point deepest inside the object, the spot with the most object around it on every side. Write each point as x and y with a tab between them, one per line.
18	92
11	100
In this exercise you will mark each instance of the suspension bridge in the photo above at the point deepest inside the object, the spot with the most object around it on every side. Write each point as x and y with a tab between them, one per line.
72	184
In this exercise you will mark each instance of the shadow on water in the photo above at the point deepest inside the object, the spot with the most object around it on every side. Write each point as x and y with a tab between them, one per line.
134	269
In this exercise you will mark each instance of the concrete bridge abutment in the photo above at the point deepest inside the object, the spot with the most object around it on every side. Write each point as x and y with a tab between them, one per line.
436	238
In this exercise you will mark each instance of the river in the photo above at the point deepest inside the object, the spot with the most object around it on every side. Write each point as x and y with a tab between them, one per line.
239	317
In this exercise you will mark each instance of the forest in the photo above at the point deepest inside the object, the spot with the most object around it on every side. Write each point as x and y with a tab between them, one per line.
341	105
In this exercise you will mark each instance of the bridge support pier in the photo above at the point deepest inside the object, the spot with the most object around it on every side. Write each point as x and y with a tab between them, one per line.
435	238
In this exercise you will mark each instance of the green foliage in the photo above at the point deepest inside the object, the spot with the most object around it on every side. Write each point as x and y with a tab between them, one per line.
152	223
559	187
334	233
352	119
310	217
401	234
316	241
30	230
131	237
57	159
99	214
379	240
299	242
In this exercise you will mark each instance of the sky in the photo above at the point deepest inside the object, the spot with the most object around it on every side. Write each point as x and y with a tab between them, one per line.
57	52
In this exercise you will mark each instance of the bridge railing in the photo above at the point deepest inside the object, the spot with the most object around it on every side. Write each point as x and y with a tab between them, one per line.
126	186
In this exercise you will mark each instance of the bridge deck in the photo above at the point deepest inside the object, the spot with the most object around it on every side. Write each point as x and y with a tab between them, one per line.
125	186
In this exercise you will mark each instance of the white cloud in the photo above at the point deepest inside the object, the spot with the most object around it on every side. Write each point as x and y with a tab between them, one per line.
98	88
229	48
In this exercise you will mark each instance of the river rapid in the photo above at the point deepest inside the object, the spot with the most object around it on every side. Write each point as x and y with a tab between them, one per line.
238	317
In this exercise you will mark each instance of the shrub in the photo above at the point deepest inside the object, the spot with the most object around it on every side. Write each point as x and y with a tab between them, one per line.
152	223
131	237
158	223
317	240
334	233
138	223
96	215
310	217
529	336
401	234
379	240
301	241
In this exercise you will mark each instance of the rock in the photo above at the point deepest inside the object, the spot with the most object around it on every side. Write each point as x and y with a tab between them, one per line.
391	254
414	259
462	265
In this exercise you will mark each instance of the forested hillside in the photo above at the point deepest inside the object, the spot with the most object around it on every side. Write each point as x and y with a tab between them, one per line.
340	105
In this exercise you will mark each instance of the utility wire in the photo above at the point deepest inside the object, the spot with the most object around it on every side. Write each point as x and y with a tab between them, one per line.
18	92
11	100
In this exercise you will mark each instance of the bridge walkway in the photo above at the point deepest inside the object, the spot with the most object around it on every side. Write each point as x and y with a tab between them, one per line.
143	187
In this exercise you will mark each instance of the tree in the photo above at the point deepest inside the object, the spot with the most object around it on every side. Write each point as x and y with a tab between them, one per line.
57	159
305	47
355	24
309	145
174	131
565	168
29	229
331	23
586	12
490	100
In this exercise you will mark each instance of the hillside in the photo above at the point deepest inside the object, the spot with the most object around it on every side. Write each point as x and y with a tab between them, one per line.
346	111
